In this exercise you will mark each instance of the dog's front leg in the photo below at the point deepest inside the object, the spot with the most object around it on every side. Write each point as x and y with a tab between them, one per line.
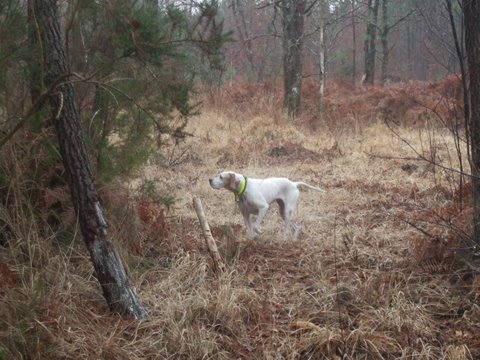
248	224
246	219
262	210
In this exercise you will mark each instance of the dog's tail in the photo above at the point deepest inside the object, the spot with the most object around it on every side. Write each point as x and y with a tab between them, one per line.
301	183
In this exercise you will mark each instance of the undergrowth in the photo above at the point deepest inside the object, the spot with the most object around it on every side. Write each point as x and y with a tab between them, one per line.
383	267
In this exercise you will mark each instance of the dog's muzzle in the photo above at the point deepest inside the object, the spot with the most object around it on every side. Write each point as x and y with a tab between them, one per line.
215	183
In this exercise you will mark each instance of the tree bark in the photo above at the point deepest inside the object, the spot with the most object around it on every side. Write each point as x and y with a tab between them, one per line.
370	39
471	11
293	13
109	269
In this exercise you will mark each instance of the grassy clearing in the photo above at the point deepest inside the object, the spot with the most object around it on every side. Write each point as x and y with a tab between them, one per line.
359	283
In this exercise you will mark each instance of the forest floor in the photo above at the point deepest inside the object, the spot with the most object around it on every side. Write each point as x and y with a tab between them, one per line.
380	269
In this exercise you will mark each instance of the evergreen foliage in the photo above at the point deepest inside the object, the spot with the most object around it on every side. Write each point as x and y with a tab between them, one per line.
145	60
139	61
135	67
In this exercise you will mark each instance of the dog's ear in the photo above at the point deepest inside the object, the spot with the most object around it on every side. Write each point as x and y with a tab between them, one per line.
232	182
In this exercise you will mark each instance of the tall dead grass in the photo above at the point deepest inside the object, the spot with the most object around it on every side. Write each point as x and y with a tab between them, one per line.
359	283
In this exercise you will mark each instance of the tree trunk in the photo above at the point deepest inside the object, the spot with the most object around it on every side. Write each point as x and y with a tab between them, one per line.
370	39
409	49
459	142
471	11
354	45
293	13
242	27
264	57
384	39
110	272
322	53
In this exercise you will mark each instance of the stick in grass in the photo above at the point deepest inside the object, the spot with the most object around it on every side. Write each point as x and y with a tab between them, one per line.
207	234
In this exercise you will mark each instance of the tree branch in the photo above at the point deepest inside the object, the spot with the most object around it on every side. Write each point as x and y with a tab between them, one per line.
37	105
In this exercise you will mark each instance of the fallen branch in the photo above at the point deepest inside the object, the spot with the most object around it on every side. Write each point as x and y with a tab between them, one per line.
207	234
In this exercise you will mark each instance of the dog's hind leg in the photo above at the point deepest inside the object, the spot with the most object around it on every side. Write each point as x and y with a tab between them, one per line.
288	211
285	217
289	225
295	230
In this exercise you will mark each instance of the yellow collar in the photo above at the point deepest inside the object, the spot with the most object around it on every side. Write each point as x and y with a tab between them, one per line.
241	190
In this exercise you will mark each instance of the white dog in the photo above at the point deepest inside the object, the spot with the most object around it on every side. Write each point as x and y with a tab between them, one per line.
255	195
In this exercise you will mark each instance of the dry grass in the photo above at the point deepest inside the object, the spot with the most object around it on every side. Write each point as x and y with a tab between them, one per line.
357	284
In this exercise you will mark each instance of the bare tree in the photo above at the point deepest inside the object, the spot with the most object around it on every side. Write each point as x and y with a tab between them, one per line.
387	27
108	267
329	20
322	25
354	45
384	40
370	40
245	38
471	11
293	13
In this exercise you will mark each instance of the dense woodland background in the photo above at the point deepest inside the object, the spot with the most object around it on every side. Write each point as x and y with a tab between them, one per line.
419	42
114	114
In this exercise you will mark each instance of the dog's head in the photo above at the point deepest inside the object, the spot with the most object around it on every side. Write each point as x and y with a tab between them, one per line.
226	180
